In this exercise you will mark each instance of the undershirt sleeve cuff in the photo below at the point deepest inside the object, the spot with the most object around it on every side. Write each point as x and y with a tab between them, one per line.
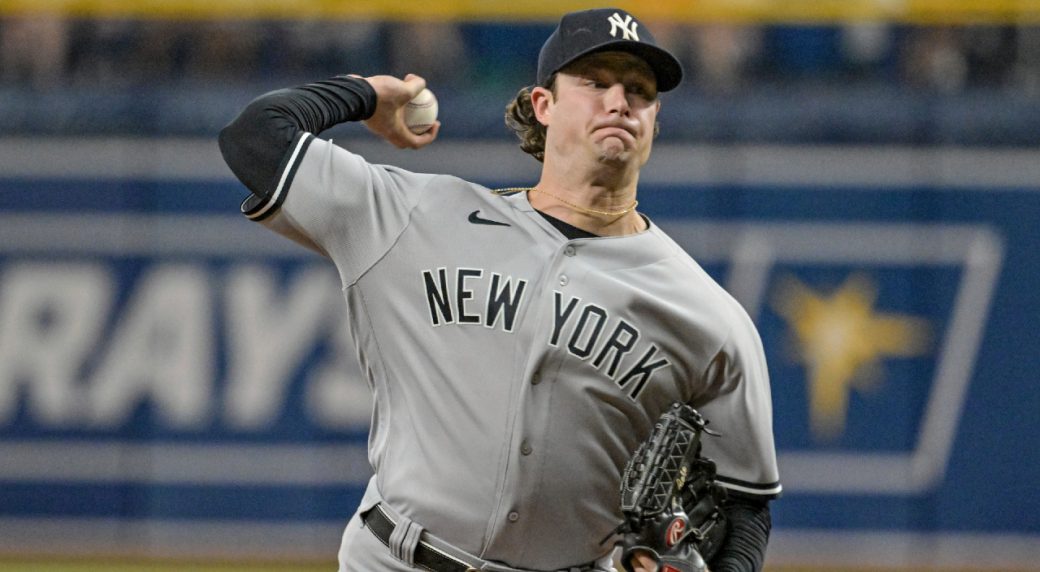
748	527
764	490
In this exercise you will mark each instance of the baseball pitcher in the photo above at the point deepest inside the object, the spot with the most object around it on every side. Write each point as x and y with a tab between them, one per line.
522	344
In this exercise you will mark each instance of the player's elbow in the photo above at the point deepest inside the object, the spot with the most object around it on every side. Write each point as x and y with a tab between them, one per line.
231	145
253	145
238	147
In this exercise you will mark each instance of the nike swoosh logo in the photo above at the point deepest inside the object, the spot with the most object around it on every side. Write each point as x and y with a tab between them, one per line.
473	218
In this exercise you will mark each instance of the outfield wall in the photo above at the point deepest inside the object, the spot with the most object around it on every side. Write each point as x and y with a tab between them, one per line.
143	412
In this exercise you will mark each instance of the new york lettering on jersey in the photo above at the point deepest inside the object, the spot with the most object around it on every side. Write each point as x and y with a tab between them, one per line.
586	323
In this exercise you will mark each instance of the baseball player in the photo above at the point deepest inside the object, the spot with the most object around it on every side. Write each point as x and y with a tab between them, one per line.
519	343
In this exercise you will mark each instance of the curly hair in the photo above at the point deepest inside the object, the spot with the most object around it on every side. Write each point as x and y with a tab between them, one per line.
521	119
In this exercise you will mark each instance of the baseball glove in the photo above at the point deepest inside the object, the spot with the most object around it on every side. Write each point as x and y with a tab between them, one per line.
669	497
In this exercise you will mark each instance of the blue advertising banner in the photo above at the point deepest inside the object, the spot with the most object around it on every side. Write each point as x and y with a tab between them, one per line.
173	376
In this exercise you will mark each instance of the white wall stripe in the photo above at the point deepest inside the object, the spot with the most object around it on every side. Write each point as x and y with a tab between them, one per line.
230	235
157	463
824	167
145	538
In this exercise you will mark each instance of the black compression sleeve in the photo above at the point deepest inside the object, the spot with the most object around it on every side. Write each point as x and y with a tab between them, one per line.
256	143
744	549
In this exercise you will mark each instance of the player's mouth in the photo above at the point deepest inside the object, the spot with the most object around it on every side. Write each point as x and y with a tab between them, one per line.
615	129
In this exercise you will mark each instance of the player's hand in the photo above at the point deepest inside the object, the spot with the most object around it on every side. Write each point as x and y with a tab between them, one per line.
388	120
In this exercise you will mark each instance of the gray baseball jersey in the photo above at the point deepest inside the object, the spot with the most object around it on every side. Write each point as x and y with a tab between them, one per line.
514	371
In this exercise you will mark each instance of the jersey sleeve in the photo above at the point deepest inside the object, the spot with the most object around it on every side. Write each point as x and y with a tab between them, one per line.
742	412
336	203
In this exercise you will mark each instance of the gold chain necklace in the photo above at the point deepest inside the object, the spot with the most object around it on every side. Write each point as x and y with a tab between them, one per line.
586	210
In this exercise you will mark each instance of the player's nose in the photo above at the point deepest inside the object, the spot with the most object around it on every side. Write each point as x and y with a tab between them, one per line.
616	99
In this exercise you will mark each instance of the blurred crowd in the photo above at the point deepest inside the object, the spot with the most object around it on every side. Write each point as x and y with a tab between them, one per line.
842	83
52	52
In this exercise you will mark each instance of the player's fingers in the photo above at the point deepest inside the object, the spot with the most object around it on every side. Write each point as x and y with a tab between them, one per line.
414	84
399	136
430	135
391	91
413	141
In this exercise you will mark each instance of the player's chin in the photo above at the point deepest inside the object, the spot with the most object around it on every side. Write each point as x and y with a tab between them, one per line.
614	150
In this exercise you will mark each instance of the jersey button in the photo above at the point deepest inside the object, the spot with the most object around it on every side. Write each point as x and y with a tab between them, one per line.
525	448
564	280
513	516
569	251
536	378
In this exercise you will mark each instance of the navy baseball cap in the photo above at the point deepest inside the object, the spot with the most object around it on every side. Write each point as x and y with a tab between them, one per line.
606	29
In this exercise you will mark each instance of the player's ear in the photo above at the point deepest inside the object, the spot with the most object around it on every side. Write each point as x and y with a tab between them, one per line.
541	103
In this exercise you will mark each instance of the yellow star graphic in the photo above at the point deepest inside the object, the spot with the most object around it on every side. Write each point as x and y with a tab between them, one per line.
842	341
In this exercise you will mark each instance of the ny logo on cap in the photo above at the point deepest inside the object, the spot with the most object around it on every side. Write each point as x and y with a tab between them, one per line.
628	27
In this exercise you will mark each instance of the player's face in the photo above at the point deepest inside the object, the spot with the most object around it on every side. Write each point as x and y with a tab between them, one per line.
606	105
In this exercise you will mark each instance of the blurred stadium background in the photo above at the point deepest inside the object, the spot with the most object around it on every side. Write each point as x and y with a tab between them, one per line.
864	175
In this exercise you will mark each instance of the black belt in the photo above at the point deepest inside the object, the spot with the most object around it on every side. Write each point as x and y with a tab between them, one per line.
425	556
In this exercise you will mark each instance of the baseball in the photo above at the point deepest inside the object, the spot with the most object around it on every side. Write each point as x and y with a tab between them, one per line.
421	112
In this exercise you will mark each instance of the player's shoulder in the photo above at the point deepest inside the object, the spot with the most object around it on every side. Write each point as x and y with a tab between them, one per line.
346	155
446	184
443	185
700	286
680	258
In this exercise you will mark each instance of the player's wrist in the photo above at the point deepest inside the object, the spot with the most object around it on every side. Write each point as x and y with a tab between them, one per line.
363	88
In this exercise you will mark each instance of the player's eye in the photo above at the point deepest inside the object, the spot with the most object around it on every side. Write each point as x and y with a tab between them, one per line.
641	90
